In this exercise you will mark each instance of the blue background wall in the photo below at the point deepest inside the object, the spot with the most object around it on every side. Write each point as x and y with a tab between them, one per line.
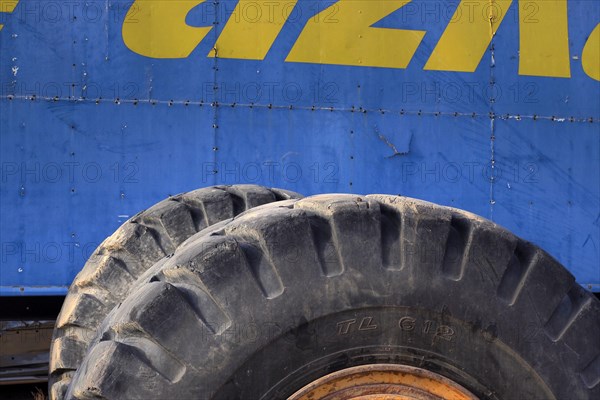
91	133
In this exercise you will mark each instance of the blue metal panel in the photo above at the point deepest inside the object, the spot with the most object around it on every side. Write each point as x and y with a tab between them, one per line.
91	132
76	171
548	187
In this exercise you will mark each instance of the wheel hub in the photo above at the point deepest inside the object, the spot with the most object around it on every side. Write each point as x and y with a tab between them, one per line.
383	382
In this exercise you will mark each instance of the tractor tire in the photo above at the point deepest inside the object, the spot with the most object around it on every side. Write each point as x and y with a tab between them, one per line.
293	293
138	244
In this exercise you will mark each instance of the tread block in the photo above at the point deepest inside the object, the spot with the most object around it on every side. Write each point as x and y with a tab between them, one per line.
263	270
220	265
116	371
59	389
457	248
67	353
206	307
140	243
250	196
353	221
283	194
577	308
391	243
83	309
288	250
173	220
351	230
201	251
488	255
327	250
147	350
163	312
107	272
567	311
543	287
524	258
148	274
208	206
424	237
591	373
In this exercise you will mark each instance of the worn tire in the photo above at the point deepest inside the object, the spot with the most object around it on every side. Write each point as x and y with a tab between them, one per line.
289	292
139	243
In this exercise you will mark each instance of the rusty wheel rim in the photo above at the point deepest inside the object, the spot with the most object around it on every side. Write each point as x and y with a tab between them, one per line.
383	382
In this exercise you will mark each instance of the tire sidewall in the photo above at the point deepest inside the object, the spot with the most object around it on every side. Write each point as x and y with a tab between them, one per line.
467	354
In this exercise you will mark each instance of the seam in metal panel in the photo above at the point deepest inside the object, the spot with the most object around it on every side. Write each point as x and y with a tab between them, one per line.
491	101
360	110
215	121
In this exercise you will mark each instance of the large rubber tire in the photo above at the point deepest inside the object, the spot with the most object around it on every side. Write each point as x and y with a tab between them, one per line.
139	243
292	291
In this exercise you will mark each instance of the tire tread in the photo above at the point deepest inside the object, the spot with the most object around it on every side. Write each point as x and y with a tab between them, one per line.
123	257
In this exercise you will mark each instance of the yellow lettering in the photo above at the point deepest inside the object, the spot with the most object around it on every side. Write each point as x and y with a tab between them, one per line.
468	35
342	34
544	38
252	29
157	28
8	6
590	59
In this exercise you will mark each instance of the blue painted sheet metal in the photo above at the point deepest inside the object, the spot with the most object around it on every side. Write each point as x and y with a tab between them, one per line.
91	132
